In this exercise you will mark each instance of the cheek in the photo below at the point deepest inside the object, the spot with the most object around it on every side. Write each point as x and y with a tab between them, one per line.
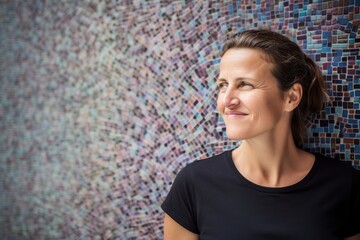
252	100
271	107
261	106
219	104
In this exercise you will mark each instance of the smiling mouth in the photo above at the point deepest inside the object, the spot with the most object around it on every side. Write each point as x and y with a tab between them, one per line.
235	114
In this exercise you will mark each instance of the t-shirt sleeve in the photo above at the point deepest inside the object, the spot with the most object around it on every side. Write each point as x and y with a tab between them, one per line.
180	202
353	224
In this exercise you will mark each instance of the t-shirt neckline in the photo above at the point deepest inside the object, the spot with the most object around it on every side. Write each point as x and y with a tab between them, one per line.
300	184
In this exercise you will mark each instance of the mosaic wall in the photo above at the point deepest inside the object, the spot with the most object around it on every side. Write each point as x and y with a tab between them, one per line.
103	102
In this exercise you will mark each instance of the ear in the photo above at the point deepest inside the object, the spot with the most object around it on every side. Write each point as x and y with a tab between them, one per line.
293	97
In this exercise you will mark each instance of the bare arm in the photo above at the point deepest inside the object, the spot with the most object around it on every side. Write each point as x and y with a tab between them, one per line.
174	231
356	237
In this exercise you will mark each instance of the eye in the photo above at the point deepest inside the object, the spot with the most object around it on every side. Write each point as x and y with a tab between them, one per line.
222	86
245	84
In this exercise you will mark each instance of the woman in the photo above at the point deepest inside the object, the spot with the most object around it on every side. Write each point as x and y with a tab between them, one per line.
267	188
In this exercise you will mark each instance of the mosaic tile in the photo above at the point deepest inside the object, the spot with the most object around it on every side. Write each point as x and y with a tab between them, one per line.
103	102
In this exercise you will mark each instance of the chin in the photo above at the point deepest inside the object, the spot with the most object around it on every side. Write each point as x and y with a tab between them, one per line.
235	135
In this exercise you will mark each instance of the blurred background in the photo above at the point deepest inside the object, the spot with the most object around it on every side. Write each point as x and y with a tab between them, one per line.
103	102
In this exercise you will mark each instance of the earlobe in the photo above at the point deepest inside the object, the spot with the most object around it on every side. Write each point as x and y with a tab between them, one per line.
294	96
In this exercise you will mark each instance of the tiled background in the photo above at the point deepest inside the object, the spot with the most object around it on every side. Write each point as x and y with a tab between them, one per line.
102	102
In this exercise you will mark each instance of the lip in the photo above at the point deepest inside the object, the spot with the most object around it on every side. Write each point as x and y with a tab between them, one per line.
235	113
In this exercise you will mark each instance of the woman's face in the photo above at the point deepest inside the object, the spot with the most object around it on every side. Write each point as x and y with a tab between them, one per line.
249	99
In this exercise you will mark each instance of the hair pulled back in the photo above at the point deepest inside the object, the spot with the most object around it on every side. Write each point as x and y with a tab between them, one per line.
290	65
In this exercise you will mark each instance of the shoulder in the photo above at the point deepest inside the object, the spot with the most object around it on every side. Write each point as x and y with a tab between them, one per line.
211	164
205	167
356	180
337	169
195	174
333	164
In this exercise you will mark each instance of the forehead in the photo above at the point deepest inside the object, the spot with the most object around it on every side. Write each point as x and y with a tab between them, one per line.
243	55
244	61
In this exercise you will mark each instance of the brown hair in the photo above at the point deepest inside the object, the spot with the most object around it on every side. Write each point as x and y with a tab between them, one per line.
291	65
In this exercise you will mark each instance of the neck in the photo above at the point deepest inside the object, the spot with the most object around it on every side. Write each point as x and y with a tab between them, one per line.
269	158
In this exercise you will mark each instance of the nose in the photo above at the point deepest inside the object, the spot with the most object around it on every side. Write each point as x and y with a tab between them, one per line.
230	98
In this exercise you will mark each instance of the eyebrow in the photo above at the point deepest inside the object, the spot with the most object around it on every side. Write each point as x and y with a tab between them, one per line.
236	79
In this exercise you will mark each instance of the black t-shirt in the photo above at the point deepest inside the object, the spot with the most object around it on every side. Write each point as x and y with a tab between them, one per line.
211	198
